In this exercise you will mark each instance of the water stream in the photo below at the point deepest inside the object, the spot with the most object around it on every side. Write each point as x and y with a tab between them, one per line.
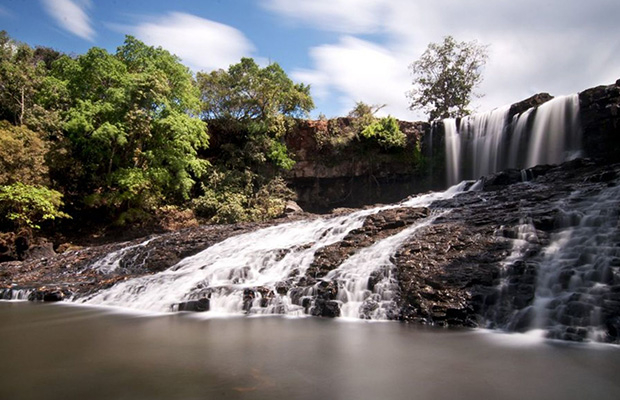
484	143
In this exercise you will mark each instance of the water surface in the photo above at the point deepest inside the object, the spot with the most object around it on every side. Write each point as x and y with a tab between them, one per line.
56	351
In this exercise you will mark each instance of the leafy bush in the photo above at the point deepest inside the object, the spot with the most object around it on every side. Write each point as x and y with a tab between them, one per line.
230	198
22	155
386	133
27	206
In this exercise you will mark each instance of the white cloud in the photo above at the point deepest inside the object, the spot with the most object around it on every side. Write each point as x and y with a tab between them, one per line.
359	71
202	44
71	15
348	16
557	46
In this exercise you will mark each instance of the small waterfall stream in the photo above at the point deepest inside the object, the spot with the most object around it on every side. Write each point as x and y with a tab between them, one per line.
367	279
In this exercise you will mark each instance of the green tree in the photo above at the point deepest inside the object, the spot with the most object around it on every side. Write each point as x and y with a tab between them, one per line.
249	109
22	156
28	94
248	92
132	127
445	76
27	205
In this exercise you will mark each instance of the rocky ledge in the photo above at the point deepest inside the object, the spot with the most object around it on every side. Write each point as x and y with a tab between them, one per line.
481	264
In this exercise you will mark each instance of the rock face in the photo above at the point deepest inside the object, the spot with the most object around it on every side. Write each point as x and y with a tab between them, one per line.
332	172
334	169
600	121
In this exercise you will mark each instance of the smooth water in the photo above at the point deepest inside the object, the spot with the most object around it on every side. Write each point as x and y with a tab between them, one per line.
485	143
52	351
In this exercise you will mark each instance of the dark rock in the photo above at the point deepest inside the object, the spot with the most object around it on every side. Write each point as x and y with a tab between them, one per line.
528	103
326	308
248	299
199	305
44	250
22	243
47	295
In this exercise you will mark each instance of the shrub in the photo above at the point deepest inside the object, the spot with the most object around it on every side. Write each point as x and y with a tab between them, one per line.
27	206
386	133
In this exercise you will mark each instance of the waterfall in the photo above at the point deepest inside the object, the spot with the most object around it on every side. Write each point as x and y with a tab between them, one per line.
485	143
261	271
575	274
15	294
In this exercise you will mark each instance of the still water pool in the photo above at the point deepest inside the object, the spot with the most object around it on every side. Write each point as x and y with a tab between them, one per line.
59	351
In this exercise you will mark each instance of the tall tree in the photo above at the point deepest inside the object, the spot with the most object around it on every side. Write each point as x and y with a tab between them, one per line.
133	126
248	92
445	76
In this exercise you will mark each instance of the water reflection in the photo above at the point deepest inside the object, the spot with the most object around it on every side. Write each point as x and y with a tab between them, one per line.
71	352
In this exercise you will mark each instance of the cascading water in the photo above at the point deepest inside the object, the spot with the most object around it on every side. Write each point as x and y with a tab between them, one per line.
254	272
362	298
575	275
112	261
485	143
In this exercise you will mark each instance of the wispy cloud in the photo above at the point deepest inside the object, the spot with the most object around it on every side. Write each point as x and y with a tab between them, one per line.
71	15
347	16
358	70
202	44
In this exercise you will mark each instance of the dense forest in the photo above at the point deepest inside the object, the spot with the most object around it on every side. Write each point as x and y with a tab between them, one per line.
135	138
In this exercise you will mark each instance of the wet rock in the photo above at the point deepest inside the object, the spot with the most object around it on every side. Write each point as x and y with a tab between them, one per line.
248	299
44	250
200	305
47	295
326	308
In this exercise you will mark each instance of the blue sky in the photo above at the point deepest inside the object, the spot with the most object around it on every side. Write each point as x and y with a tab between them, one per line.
349	50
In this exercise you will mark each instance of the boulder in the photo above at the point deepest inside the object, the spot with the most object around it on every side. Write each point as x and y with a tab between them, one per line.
199	305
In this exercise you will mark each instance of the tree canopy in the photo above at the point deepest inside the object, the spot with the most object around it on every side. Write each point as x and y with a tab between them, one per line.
132	125
445	76
248	92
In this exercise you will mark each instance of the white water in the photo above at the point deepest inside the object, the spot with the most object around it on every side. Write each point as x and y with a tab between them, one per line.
485	143
260	261
112	261
15	294
576	270
354	275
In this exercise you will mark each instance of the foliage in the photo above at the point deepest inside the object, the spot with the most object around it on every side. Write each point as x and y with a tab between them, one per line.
25	90
231	197
22	156
132	126
386	133
27	206
250	109
363	115
248	92
445	76
121	132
